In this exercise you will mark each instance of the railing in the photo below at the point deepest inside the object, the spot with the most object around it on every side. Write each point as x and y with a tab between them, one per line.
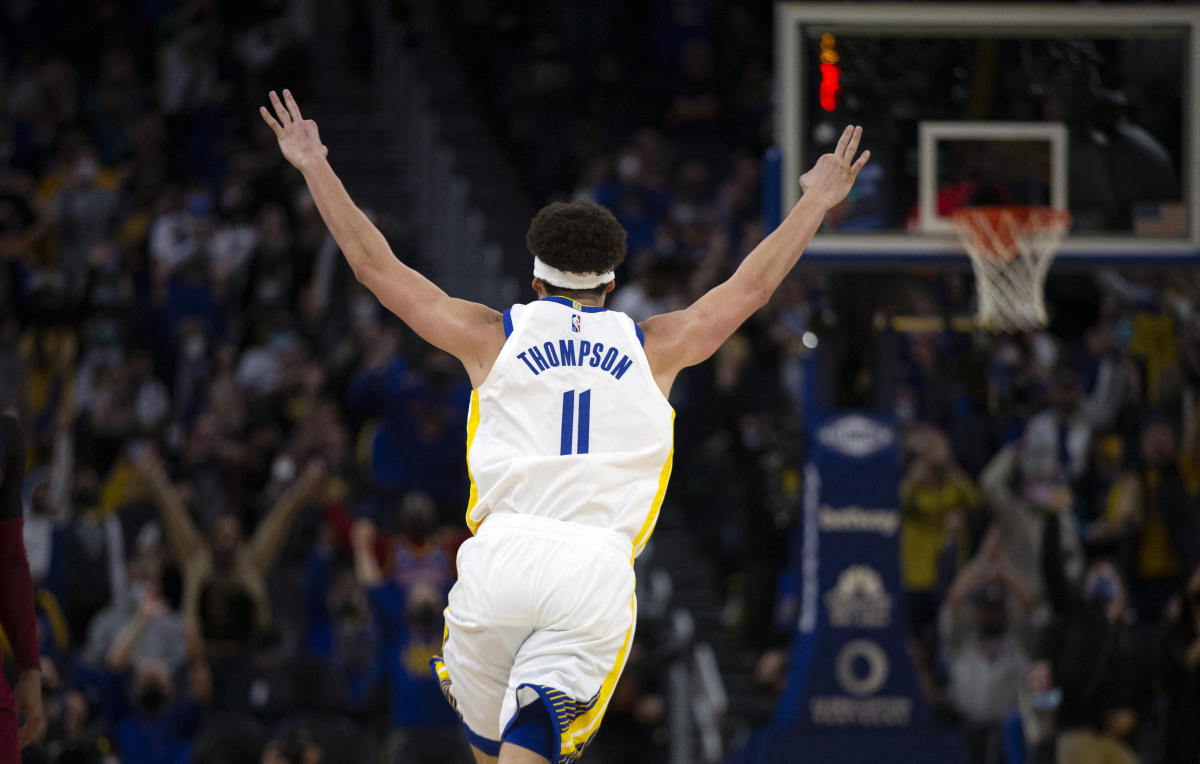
452	232
696	698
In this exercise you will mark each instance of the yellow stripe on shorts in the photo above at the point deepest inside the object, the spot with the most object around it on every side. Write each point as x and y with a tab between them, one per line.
583	726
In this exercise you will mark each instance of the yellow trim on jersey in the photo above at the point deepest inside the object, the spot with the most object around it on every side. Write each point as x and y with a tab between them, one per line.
582	727
472	426
639	541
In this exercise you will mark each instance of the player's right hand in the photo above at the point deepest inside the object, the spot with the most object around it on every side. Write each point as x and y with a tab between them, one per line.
298	137
832	176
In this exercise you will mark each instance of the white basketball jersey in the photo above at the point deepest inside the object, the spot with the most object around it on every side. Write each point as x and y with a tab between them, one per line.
569	423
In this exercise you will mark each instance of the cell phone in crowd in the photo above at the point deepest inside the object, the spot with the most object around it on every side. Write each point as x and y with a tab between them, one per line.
1046	700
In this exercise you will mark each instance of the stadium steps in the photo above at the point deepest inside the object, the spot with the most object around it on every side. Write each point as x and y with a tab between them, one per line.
697	590
493	184
369	164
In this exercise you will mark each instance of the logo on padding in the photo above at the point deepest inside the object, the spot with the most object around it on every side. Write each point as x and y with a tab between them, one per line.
855	436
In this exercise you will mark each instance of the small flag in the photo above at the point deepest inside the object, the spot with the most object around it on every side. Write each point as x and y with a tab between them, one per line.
1161	219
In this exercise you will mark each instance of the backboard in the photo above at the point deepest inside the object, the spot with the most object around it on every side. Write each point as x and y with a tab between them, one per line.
1089	108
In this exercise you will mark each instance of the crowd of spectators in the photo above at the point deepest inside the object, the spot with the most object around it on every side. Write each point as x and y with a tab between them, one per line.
248	480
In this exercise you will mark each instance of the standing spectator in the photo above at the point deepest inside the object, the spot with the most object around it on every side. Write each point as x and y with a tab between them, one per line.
139	624
1093	652
152	723
340	627
984	624
411	629
1156	521
83	207
1179	673
1062	434
1020	502
419	554
224	577
933	489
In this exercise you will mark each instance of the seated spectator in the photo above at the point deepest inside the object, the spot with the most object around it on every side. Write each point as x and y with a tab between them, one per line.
985	638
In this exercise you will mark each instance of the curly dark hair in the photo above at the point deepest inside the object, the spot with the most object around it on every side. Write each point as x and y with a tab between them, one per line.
579	237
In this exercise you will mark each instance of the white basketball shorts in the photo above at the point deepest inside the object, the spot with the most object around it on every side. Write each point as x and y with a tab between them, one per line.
542	610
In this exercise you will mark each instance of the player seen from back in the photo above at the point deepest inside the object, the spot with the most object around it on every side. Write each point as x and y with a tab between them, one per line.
569	444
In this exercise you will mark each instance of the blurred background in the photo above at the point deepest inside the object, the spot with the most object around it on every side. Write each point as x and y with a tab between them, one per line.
247	480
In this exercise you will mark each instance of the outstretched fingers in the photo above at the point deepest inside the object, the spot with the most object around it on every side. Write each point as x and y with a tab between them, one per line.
862	160
292	107
840	150
852	144
271	123
281	111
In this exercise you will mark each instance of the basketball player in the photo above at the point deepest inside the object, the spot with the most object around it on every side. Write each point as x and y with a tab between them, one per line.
16	603
569	445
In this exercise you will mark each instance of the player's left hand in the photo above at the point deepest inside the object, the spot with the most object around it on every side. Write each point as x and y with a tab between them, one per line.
833	174
298	137
28	697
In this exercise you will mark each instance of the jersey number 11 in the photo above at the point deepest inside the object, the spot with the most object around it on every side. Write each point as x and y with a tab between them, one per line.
580	444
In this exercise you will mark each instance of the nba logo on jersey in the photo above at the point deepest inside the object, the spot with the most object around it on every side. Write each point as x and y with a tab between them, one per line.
575	321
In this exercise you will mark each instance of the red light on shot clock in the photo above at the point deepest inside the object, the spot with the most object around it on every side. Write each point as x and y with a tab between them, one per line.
831	73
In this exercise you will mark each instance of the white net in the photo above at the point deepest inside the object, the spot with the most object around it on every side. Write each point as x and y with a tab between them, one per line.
1011	249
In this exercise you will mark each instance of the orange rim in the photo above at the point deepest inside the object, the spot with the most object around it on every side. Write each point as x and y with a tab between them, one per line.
991	226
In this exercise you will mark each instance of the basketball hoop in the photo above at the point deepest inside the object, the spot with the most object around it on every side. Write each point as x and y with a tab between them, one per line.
1011	249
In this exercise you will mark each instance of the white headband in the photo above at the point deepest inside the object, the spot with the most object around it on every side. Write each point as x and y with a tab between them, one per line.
569	279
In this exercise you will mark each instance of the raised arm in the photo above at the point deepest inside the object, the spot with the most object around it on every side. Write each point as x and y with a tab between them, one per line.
686	337
366	567
471	332
182	535
268	538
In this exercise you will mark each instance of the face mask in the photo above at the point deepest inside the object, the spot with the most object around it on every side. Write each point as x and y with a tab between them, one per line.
424	618
1101	591
152	700
199	205
194	347
86	169
85	498
991	630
